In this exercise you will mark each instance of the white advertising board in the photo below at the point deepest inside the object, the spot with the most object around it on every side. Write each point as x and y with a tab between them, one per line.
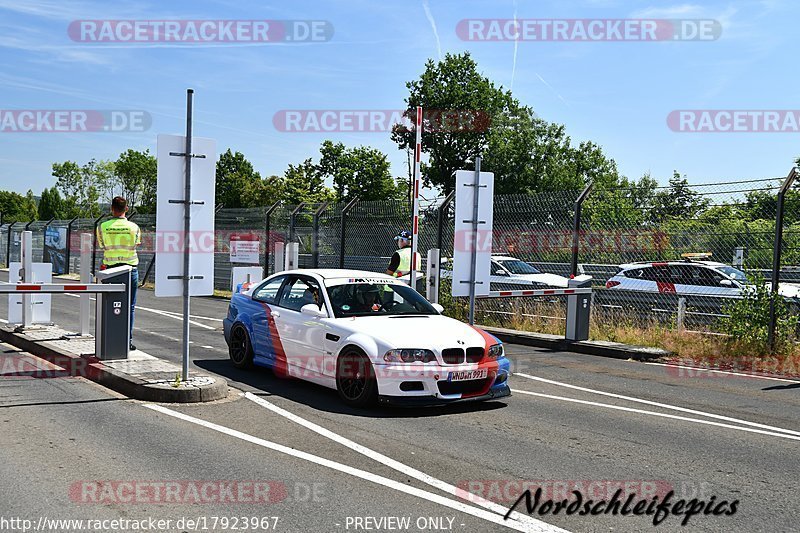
462	243
169	216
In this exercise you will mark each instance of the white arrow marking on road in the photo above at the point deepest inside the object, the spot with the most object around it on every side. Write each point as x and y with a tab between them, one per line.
654	413
400	467
363	474
663	405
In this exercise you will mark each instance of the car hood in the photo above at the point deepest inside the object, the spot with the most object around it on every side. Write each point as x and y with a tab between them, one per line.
431	331
553	280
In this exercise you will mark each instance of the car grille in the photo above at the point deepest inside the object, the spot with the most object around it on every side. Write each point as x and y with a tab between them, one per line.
472	386
474	355
453	356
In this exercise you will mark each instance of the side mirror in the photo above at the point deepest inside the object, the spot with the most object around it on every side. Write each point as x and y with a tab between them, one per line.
314	311
439	308
725	283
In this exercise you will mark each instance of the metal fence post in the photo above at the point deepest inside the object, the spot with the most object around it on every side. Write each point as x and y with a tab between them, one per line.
776	257
267	243
94	241
69	244
296	210
45	230
8	245
315	237
343	232
440	212
576	227
681	318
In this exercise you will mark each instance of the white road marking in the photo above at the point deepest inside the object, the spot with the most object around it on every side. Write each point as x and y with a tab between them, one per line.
397	465
654	413
176	317
193	316
355	472
663	405
729	372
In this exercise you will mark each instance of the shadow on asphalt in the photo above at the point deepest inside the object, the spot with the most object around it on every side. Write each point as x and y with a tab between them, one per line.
783	387
325	399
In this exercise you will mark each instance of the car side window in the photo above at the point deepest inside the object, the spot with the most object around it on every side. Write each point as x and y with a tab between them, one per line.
658	273
299	292
707	277
268	292
636	273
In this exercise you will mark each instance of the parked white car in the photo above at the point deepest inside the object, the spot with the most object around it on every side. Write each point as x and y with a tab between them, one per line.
688	276
510	272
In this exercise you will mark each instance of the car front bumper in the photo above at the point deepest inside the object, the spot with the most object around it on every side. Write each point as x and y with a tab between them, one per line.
430	384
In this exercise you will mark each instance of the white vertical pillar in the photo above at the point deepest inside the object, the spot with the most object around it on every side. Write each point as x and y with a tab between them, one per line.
292	256
27	277
432	271
280	260
86	277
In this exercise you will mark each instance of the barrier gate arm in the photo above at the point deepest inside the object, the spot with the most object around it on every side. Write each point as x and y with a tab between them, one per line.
538	292
52	288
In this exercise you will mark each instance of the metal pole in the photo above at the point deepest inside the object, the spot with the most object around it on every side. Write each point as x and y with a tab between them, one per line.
343	230
291	219
187	228
576	227
315	239
272	208
412	278
440	218
45	230
69	244
776	258
473	260
8	245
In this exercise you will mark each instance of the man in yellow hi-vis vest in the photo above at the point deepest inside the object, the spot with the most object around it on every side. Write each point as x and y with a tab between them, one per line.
118	237
400	263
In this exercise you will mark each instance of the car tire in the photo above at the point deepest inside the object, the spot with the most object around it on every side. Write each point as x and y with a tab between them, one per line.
355	379
240	350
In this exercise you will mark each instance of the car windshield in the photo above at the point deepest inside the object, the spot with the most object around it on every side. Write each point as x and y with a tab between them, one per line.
515	266
734	273
377	299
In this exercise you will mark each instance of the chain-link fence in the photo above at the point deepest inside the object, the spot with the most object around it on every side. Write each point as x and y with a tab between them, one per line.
632	241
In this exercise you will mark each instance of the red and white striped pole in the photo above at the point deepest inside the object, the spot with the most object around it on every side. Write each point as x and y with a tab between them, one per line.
415	201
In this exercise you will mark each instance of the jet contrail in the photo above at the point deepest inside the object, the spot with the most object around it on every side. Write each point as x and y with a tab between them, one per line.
428	14
552	89
516	44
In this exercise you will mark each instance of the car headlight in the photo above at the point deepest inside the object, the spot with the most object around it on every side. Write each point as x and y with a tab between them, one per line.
496	351
409	355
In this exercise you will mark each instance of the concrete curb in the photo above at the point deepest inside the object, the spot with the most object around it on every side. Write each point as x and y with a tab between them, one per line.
130	385
615	350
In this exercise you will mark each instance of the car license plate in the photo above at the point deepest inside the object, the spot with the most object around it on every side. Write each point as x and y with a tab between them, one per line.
466	375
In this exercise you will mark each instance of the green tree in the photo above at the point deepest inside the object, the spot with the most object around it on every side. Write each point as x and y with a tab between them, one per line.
235	174
136	174
361	172
678	201
451	85
16	207
51	205
262	192
78	187
304	183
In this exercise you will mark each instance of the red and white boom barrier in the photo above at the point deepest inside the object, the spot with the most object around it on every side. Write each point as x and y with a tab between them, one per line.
53	288
538	292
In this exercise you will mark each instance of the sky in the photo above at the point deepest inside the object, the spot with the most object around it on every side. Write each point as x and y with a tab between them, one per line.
617	94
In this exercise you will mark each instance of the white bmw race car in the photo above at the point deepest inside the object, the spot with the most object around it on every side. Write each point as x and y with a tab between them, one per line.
367	335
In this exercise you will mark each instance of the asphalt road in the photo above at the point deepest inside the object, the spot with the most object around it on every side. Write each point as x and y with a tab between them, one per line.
574	422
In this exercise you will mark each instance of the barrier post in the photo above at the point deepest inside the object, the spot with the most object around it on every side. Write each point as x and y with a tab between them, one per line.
26	258
776	258
279	256
267	243
315	236
292	256
343	230
86	277
576	228
681	320
69	245
433	275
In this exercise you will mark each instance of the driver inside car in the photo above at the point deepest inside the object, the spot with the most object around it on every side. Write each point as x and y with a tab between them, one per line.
369	299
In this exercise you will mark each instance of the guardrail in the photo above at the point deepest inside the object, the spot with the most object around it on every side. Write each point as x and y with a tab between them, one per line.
53	288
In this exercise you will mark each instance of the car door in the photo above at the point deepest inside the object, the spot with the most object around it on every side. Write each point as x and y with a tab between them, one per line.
266	345
302	336
711	281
